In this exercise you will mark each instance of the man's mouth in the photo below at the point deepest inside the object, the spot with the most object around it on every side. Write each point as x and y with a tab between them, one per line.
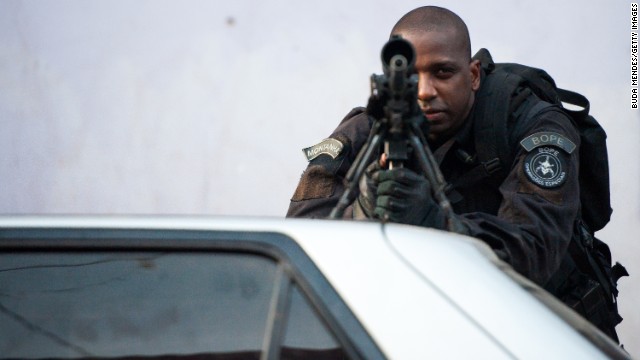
434	115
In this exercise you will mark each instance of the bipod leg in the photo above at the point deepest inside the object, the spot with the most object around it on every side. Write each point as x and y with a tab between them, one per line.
352	179
431	170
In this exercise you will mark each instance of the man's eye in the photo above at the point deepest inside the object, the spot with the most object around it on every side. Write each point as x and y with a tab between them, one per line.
444	72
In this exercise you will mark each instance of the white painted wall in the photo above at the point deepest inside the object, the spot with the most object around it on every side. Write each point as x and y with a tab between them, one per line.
202	107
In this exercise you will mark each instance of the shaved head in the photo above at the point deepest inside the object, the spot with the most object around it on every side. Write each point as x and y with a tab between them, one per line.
447	76
433	18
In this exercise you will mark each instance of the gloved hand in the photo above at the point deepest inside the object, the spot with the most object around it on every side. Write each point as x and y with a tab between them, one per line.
405	197
366	202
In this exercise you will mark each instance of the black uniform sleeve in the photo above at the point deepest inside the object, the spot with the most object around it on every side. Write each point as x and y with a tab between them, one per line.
322	183
540	201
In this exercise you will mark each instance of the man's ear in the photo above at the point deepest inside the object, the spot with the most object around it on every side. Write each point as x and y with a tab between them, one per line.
474	68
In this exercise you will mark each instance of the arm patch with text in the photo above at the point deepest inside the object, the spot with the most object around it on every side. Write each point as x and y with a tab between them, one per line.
319	179
545	163
331	147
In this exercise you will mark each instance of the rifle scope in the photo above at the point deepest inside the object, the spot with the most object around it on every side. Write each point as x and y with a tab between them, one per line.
394	47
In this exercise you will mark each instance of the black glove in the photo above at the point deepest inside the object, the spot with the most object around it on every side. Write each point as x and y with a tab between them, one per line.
366	202
405	197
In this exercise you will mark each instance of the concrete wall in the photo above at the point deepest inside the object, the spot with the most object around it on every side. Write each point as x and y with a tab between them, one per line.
202	107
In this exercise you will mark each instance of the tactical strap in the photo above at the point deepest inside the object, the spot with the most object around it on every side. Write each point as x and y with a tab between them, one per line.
573	98
585	261
494	97
491	164
618	271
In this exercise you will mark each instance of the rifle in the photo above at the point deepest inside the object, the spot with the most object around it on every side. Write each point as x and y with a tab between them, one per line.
397	125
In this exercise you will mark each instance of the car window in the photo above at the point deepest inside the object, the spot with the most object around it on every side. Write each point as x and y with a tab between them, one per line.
123	304
306	336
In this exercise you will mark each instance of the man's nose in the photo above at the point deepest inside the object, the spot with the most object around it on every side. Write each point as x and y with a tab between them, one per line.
426	88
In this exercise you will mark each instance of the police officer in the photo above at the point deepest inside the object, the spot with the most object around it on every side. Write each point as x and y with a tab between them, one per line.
527	217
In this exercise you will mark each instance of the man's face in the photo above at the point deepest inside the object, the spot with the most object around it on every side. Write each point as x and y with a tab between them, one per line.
447	80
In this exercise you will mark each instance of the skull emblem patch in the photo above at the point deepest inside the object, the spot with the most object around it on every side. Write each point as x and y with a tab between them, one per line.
544	167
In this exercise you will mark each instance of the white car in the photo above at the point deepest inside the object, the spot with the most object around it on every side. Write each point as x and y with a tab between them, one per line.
253	288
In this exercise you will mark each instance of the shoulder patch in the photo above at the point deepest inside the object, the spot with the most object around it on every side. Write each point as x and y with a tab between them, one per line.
331	147
547	138
545	167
